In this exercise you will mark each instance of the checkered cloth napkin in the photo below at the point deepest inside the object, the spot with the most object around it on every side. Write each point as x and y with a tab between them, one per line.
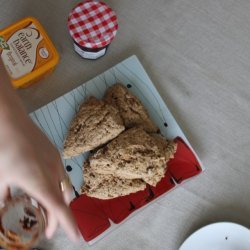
92	24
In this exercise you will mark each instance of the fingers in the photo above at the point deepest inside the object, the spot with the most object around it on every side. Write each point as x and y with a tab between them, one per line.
63	176
58	213
68	195
52	224
46	190
66	220
68	223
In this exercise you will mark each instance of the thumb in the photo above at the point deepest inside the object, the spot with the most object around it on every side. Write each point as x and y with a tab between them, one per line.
4	194
52	200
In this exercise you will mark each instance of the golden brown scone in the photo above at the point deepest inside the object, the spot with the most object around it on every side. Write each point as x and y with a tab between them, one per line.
108	186
130	107
134	154
167	146
95	124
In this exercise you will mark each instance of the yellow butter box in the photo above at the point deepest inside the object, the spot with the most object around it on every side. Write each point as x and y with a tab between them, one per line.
27	52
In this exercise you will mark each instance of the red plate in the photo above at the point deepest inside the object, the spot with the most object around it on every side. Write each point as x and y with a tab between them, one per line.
184	164
93	215
91	219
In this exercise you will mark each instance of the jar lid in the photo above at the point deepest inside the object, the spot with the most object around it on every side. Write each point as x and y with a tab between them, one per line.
92	24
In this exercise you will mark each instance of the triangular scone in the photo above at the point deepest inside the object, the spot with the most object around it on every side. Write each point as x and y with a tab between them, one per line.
95	124
130	107
134	154
108	186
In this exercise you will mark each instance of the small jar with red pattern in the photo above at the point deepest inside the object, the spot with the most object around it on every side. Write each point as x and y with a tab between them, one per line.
92	26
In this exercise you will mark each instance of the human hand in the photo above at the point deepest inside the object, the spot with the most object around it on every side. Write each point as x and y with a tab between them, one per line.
29	161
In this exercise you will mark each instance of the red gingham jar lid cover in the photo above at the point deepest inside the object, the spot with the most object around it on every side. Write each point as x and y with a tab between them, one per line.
92	24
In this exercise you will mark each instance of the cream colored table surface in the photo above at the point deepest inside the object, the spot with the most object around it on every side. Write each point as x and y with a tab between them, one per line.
198	55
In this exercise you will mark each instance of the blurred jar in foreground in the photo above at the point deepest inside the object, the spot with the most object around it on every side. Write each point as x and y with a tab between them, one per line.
92	26
22	223
27	52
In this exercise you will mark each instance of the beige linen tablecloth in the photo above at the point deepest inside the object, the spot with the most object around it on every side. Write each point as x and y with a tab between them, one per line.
198	55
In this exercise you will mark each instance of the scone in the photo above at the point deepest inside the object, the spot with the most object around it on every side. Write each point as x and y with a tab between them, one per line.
134	154
168	147
95	124
108	186
130	107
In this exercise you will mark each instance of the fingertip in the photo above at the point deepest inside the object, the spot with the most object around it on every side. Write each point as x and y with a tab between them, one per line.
76	236
68	223
48	234
52	226
68	195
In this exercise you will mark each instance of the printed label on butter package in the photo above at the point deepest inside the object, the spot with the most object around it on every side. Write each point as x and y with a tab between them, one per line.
21	50
3	44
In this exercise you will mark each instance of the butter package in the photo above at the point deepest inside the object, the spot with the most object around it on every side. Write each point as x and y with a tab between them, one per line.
27	52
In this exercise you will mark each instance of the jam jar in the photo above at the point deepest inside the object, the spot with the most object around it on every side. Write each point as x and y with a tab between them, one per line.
92	26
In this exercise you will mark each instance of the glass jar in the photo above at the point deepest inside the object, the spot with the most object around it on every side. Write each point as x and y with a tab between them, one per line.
92	26
22	223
